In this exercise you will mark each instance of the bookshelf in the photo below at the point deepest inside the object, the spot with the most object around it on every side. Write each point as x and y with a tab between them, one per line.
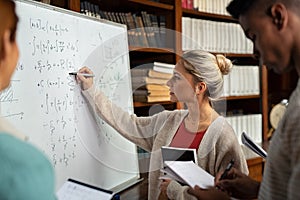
173	12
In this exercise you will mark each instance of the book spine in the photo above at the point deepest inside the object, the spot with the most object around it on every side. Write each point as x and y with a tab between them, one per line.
143	34
184	3
162	31
163	69
155	28
149	29
164	65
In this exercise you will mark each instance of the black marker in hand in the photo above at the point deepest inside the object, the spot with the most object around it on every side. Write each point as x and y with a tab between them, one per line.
82	74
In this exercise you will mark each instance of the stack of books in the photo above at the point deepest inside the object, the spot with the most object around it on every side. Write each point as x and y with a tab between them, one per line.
149	84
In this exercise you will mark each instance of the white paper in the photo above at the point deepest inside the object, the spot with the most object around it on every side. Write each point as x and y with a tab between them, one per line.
75	191
191	173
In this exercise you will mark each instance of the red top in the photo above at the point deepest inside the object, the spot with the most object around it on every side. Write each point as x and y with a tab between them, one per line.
186	139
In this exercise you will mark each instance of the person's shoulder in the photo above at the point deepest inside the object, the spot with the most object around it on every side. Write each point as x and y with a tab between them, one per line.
223	127
27	167
7	139
220	121
174	116
16	148
7	127
177	112
224	121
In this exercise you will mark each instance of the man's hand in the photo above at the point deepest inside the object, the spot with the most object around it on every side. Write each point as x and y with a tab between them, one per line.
208	194
238	185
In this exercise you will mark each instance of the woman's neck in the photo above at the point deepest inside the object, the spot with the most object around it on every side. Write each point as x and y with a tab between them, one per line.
199	117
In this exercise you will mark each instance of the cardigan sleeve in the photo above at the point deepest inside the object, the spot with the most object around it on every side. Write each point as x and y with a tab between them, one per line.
139	130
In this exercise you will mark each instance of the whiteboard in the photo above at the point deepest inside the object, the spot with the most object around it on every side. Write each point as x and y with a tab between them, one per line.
45	103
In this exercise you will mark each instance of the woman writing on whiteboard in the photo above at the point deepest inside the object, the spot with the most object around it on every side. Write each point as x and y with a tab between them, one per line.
25	172
196	81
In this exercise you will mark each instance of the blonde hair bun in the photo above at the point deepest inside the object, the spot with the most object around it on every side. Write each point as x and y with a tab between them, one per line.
224	64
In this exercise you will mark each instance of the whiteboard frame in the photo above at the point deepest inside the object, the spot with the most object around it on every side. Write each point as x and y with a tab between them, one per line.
70	12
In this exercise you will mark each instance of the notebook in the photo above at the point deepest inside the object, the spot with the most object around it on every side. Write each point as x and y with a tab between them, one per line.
187	172
75	190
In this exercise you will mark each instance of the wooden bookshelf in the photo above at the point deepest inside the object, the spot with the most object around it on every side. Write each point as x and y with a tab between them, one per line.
242	97
209	16
142	104
153	4
151	49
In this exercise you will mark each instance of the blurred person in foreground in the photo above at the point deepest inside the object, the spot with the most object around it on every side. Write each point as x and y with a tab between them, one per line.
26	173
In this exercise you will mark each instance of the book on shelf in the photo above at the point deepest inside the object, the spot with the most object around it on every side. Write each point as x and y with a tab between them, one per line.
149	29
250	122
178	154
152	93
151	99
213	36
183	3
187	172
166	65
150	87
135	72
189	4
163	67
148	80
155	28
132	34
162	31
247	141
141	31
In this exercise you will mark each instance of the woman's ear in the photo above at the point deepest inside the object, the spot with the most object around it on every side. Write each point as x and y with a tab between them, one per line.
200	87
